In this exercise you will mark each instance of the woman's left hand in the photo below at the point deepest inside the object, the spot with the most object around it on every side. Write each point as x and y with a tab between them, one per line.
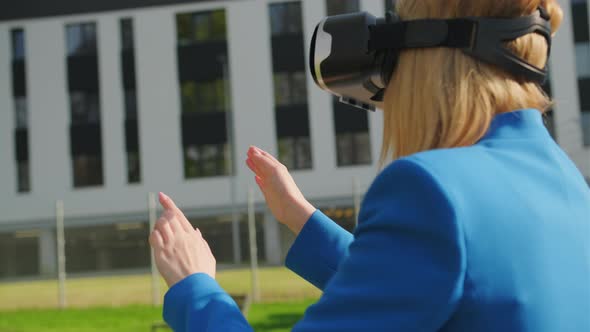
179	249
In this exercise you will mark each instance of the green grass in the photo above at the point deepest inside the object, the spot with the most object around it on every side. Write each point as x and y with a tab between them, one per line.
277	284
266	317
121	303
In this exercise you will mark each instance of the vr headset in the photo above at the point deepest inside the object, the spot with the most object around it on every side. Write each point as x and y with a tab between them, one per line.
353	56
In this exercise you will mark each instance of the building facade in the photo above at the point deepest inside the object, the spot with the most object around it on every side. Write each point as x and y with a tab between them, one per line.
103	102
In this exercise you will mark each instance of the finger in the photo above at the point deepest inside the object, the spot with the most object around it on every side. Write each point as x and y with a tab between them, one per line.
268	155
251	166
168	204
260	183
156	240
165	230
173	221
264	164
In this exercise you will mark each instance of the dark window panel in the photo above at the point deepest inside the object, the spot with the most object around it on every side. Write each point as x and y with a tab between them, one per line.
205	160
19	80
286	18
131	135
584	91
21	113
20	254
81	39
85	140
133	167
349	119
21	139
292	121
338	7
23	177
18	44
204	129
84	108
130	104
87	170
287	53
128	69
202	62
127	34
83	73
580	21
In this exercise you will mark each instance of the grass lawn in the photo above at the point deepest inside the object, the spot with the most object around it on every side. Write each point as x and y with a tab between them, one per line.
266	317
121	303
277	284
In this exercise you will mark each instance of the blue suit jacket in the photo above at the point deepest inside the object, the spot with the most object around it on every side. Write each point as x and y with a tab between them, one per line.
492	237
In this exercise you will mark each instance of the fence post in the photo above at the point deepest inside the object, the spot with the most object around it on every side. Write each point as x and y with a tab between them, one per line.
155	276
61	255
253	246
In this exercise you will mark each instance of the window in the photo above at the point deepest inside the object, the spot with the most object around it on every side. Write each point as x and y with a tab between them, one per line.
207	96
204	93
87	171
285	18
290	85
201	27
20	107
130	101
83	87
353	149
295	152
338	7
18	44
582	44
81	38
206	160
84	107
21	123
290	88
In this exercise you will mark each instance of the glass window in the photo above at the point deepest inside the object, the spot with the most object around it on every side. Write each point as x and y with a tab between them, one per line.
290	88
295	152
81	38
337	7
206	161
84	107
133	167
130	104
126	34
201	27
353	149
583	59
285	18
18	44
204	96
24	184
20	107
87	171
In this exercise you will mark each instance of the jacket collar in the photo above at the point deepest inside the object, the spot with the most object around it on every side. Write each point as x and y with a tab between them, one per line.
518	124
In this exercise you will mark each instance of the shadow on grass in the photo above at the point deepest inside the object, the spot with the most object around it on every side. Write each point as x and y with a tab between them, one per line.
278	321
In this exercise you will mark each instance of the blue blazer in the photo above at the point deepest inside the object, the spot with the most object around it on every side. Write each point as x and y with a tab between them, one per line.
492	237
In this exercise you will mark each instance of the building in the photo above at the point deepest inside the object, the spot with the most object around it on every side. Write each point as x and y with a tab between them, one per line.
102	102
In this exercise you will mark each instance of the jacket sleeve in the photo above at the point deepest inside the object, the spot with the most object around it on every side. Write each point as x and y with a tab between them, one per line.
318	250
198	303
405	269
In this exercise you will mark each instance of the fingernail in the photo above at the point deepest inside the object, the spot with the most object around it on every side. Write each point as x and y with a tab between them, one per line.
163	196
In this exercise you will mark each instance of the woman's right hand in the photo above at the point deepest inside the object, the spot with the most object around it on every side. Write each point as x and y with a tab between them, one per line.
283	197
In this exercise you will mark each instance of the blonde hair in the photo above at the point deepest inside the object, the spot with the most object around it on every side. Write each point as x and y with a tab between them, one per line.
441	98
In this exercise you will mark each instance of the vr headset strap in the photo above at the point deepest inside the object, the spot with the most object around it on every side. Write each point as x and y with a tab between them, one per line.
482	38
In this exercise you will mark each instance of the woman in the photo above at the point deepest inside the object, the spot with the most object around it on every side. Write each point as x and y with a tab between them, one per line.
480	223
